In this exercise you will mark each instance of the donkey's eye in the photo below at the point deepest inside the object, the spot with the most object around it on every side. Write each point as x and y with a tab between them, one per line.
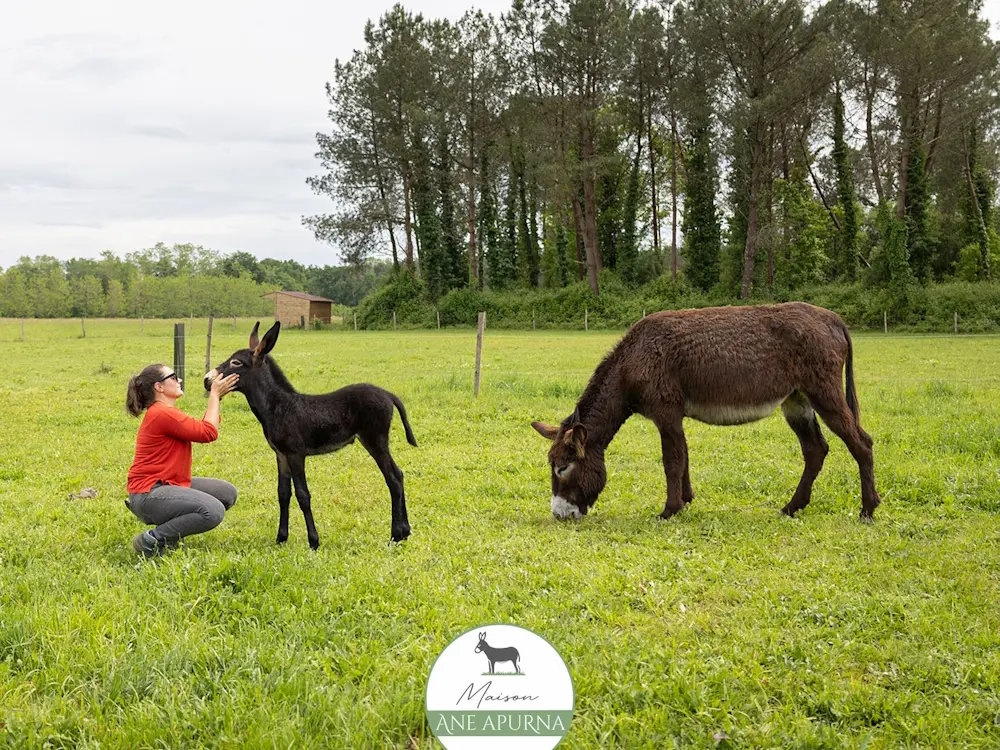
235	363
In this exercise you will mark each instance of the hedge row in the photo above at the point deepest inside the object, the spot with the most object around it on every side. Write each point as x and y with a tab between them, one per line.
922	309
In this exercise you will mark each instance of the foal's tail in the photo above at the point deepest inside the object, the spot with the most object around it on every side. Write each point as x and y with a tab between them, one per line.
402	415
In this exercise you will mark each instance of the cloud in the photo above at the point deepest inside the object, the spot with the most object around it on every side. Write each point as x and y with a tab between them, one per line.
101	70
32	177
166	132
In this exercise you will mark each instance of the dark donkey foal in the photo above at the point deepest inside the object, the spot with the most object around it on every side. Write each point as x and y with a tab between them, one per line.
723	366
297	425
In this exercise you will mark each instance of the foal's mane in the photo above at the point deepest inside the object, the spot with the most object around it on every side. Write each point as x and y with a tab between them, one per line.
279	376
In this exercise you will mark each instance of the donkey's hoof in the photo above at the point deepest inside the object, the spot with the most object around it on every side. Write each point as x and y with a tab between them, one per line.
282	538
669	513
867	516
314	544
789	510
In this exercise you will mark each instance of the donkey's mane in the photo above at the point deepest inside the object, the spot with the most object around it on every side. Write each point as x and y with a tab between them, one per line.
593	400
279	377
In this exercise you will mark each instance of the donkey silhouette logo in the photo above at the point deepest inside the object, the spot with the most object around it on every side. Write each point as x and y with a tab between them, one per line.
496	655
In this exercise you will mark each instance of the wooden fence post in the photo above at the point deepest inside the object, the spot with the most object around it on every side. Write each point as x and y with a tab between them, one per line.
234	323
143	324
179	350
479	351
208	347
586	315
956	321
22	329
84	327
394	320
885	322
439	318
355	320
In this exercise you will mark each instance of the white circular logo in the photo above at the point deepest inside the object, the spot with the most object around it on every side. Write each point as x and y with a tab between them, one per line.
495	682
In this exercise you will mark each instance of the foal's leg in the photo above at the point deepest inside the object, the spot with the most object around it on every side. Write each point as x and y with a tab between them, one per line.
377	444
297	464
802	419
674	446
831	404
284	496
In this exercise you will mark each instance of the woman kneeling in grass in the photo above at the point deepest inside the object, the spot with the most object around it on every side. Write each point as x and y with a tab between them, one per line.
161	490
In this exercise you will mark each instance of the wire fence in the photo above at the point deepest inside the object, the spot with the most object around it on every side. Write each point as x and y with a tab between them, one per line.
36	329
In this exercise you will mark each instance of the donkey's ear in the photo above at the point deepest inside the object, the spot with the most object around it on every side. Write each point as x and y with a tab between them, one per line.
253	335
267	343
576	436
546	430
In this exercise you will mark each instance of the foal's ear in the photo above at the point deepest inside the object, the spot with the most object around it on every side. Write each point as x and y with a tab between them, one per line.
576	436
253	335
267	343
546	430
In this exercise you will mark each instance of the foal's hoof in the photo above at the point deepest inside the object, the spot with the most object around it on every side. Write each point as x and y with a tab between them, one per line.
789	510
400	534
670	513
314	544
282	539
867	516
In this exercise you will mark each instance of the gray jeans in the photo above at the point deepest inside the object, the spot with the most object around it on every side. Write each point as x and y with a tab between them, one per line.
178	512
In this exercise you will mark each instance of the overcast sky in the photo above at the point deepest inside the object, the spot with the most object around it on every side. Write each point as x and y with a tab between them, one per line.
123	124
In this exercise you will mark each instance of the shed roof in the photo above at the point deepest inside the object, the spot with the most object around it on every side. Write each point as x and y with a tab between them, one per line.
300	295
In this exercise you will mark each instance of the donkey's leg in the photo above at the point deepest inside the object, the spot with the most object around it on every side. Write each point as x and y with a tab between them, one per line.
284	496
674	447
297	464
688	490
377	444
831	404
802	419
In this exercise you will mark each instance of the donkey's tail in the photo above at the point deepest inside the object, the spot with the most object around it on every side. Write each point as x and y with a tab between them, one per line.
406	423
852	394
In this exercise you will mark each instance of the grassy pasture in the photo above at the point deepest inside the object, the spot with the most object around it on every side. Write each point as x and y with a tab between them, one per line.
728	626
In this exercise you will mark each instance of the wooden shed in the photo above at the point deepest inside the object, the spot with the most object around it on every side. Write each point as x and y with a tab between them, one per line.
291	307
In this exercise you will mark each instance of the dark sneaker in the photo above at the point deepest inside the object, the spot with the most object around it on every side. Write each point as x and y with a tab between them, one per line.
146	545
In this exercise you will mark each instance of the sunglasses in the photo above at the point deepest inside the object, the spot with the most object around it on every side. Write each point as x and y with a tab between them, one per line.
167	377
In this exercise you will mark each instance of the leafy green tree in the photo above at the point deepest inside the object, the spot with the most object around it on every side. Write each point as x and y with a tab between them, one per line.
702	232
87	297
847	259
16	302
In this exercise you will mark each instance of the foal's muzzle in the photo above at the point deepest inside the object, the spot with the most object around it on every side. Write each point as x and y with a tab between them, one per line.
210	377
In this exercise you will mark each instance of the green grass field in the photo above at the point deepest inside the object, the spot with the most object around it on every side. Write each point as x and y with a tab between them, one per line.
727	626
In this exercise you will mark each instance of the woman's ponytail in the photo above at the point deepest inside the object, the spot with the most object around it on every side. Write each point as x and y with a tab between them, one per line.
140	393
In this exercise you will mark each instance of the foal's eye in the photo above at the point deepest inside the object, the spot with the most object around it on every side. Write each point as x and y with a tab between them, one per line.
235	363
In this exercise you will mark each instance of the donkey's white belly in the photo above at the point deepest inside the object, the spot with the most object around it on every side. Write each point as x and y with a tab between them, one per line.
727	414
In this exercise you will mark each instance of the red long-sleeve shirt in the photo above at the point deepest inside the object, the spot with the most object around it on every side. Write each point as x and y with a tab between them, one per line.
163	447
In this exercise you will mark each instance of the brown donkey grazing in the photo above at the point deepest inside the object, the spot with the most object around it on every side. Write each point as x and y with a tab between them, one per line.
722	366
297	425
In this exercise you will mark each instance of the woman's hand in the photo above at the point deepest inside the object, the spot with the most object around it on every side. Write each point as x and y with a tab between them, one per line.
222	386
